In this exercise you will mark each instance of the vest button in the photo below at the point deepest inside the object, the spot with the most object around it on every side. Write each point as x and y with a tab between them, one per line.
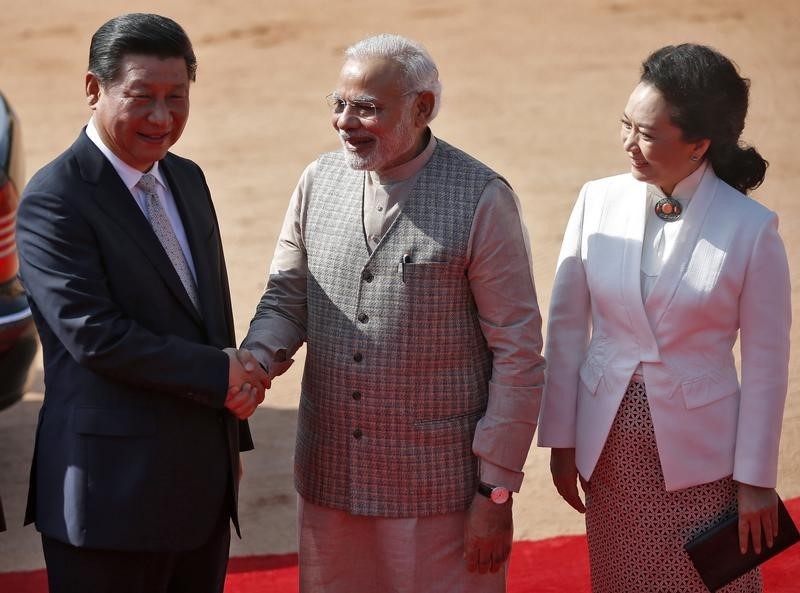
356	395
363	317
358	357
357	433
367	276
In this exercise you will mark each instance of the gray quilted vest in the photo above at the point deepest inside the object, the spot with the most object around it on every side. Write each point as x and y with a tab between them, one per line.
397	369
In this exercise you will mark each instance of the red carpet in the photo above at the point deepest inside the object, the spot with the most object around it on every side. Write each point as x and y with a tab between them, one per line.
557	565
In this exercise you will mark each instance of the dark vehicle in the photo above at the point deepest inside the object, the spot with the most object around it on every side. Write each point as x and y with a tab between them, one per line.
17	332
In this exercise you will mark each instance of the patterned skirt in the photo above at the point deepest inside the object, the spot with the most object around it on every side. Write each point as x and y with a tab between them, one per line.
636	529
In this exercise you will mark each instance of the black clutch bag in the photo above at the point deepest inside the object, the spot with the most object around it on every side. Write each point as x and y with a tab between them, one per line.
716	554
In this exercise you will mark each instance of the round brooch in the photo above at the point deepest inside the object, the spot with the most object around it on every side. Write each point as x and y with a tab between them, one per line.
668	209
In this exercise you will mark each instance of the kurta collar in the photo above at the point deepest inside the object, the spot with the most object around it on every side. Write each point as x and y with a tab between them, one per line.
407	169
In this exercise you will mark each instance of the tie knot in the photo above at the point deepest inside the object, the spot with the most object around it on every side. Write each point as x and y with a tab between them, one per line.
148	183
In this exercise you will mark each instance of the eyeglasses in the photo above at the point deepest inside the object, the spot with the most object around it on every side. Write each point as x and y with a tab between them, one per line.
362	109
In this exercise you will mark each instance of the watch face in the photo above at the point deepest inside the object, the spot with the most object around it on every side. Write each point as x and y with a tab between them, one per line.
499	495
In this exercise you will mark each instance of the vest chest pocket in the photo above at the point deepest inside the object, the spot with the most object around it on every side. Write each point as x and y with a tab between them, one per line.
416	272
435	294
431	279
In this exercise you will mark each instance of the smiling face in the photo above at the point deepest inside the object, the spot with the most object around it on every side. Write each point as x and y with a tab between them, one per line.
395	134
141	113
656	147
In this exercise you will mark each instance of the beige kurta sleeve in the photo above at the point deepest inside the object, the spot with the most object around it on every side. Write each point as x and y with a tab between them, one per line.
278	327
501	280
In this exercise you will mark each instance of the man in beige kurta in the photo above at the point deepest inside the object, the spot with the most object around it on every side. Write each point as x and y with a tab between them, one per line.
404	265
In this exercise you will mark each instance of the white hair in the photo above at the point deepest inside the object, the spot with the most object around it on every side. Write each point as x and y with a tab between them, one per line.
420	70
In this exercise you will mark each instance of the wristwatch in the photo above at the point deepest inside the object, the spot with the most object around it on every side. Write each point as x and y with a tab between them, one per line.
497	494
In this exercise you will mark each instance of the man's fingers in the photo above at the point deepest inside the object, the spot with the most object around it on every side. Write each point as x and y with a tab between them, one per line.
247	359
233	391
497	561
471	555
251	365
260	376
506	550
486	556
484	560
244	403
235	398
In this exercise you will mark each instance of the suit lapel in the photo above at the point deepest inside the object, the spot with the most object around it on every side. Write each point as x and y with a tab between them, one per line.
198	225
116	201
675	267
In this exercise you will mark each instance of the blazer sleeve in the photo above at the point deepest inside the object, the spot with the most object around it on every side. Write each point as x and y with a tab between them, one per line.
568	331
765	319
63	272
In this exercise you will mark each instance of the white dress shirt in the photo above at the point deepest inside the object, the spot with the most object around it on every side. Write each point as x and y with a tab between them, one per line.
660	235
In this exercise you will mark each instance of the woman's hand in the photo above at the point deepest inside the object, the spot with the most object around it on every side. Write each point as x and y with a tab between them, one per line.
758	513
565	477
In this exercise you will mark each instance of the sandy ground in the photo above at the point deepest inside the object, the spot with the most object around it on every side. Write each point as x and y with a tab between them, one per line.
534	89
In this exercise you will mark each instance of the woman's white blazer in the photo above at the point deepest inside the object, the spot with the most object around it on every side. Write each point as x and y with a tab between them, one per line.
727	276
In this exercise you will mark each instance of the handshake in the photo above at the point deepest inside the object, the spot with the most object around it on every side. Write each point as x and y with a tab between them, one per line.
247	381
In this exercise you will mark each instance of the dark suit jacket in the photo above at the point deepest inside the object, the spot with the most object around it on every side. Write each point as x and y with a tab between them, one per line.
134	448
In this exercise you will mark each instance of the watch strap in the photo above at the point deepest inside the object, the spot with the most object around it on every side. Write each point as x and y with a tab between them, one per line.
485	489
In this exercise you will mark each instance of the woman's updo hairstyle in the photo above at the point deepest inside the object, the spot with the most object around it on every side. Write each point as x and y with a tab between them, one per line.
708	99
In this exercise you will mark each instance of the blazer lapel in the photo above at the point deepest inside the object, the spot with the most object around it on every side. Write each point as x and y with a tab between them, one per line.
116	201
675	267
634	205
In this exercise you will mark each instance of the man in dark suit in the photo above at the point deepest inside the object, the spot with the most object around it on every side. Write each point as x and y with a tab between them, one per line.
136	466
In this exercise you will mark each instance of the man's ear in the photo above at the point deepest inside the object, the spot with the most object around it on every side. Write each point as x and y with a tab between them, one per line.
423	108
92	90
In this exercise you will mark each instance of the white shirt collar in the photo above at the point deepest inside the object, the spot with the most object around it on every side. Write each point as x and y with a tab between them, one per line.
686	187
129	175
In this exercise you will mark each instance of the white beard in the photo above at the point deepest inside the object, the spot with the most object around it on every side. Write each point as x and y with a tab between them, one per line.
394	144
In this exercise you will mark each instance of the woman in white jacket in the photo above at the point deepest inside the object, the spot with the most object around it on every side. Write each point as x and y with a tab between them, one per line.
661	269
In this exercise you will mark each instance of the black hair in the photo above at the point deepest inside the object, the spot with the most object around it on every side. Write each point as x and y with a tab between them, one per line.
708	99
142	34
